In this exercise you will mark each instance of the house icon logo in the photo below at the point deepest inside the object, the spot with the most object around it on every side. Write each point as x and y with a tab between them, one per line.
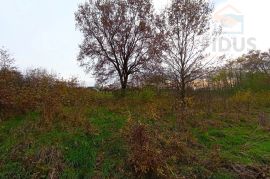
230	19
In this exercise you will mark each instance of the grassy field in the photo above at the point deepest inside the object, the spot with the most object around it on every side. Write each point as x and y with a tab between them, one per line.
219	146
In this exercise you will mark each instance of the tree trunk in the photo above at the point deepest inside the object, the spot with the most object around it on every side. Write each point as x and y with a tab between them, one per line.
124	81
183	95
182	110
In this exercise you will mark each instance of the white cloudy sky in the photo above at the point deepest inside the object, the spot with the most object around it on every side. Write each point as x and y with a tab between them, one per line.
41	33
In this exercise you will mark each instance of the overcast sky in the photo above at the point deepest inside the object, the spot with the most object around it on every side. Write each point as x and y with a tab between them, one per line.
41	33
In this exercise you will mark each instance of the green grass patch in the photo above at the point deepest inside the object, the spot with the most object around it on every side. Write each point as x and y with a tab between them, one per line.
245	145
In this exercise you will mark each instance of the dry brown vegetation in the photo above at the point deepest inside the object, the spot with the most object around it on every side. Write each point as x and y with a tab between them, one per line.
158	142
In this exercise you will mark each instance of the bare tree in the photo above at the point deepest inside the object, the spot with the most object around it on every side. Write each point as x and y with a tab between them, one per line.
187	23
6	61
120	38
257	61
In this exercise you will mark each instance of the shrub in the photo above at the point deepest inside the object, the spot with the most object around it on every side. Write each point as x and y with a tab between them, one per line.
9	86
242	100
147	94
145	158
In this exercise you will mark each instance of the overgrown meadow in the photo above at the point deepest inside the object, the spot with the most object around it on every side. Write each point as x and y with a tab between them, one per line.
161	108
52	128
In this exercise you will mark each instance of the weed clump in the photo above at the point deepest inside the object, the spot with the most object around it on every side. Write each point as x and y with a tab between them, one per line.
145	159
